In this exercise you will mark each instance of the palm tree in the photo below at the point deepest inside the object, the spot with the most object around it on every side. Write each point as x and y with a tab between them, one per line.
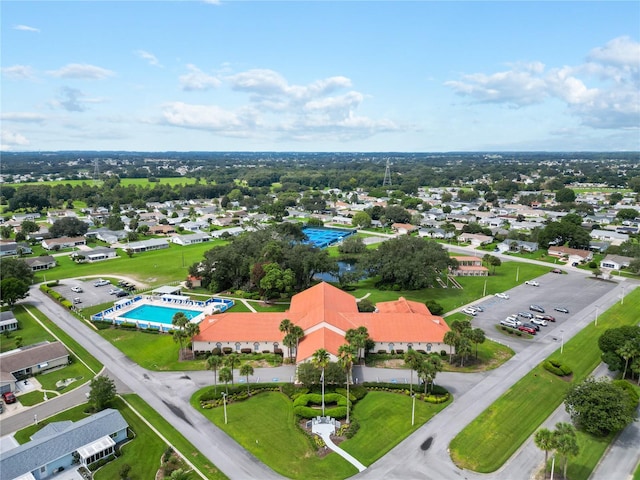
226	376
627	351
358	338
179	321
285	327
230	361
544	440
450	338
565	442
246	369
428	370
413	360
346	354
180	474
477	336
321	360
213	363
463	348
635	367
297	334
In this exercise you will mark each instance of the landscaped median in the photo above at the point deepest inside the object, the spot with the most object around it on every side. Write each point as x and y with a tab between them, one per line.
495	435
265	423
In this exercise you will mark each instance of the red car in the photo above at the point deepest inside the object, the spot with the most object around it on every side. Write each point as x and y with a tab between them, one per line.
530	330
9	397
556	270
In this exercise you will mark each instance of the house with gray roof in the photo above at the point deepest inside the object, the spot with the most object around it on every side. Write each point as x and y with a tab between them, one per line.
8	321
27	361
146	245
44	262
615	262
64	446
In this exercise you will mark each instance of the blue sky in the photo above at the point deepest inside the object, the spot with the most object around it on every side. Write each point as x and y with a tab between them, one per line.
320	76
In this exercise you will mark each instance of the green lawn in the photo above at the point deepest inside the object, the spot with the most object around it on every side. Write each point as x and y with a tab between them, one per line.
29	329
265	426
292	455
154	268
76	370
33	398
124	182
389	413
487	442
175	437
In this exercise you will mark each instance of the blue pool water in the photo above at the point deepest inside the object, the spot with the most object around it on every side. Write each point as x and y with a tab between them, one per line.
323	237
155	313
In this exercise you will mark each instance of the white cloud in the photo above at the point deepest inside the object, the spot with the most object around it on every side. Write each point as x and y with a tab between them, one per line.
24	117
26	28
82	71
213	2
603	92
196	79
149	57
204	117
73	100
263	82
18	72
9	139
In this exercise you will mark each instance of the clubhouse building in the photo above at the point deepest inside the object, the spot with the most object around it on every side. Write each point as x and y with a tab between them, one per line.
325	313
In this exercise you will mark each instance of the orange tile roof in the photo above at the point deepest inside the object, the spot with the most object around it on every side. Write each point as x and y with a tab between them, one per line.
334	312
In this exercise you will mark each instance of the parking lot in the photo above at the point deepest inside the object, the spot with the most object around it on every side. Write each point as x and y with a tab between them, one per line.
572	291
89	296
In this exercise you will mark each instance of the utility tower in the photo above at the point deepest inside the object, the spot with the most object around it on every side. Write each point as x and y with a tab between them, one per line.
96	171
387	175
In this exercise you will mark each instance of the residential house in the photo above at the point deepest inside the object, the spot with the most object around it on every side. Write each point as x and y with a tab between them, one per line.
615	262
191	239
146	245
99	254
475	239
325	313
53	215
8	249
8	321
44	262
517	246
32	359
66	445
615	238
21	217
469	267
63	242
438	233
233	231
572	255
162	229
403	228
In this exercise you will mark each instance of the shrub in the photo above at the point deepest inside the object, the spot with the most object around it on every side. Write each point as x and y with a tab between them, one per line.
128	326
227	350
102	324
400	351
354	426
66	304
443	353
358	391
216	351
245	350
557	368
633	393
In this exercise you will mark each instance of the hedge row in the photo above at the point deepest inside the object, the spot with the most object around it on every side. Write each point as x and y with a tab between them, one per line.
557	368
308	412
211	394
316	399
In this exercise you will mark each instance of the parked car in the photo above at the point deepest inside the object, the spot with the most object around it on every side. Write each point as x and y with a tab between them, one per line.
525	314
504	296
561	309
477	307
9	397
470	311
536	308
532	325
77	289
101	283
538	321
77	300
530	330
121	293
548	318
508	323
556	270
533	283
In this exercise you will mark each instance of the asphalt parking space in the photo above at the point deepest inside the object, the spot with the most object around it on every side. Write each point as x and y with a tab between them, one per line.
89	296
572	291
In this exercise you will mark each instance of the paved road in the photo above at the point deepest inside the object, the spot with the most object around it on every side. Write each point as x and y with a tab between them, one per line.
169	394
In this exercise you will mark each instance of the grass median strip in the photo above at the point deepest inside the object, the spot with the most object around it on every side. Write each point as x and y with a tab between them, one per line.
487	442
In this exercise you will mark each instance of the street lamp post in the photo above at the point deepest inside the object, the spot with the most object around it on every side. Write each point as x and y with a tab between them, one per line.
597	307
413	409
484	292
622	296
224	401
517	273
561	341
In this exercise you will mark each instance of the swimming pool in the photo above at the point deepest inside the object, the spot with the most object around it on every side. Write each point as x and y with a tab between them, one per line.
158	314
323	237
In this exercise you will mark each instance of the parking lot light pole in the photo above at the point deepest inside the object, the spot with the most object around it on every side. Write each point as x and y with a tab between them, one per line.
561	341
224	401
597	307
413	409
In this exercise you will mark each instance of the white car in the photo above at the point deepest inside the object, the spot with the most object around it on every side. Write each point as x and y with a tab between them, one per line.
76	289
503	295
533	283
470	311
537	321
101	283
508	322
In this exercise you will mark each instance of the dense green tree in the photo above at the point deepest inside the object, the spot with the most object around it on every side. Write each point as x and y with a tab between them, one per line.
361	220
102	392
68	227
612	340
428	370
434	307
13	289
214	362
29	226
565	195
627	214
276	281
598	406
16	268
346	355
366	305
5	232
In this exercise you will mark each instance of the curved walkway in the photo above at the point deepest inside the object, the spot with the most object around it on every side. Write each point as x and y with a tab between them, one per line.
325	430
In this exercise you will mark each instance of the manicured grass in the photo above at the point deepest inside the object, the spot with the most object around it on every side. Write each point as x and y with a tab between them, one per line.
174	437
264	425
71	344
153	268
385	420
591	450
490	355
76	370
487	442
451	298
29	329
273	308
33	398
